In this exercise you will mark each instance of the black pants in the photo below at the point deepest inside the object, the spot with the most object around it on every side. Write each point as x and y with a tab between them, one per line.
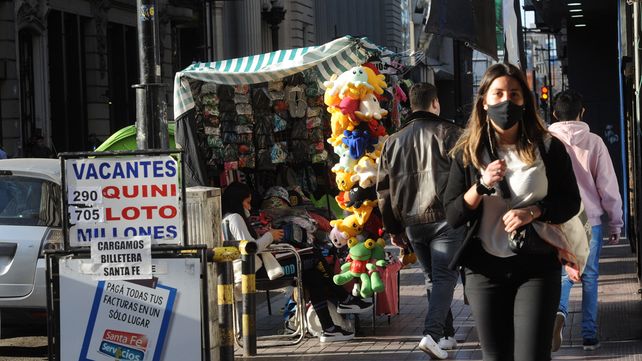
513	301
317	283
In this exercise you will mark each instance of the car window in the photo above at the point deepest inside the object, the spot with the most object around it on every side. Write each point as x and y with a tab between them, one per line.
28	201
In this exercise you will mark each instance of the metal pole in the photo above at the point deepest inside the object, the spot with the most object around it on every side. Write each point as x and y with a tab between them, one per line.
225	296
151	108
248	290
549	82
636	128
209	32
636	56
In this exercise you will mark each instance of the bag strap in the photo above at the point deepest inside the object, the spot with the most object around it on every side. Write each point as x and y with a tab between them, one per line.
503	185
227	233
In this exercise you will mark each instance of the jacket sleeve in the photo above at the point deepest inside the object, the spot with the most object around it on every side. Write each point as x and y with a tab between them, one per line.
384	188
608	189
451	134
562	201
240	232
459	181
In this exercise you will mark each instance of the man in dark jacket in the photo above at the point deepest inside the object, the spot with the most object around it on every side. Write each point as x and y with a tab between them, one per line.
413	171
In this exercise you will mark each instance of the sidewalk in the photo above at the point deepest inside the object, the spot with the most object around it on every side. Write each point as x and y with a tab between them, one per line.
620	320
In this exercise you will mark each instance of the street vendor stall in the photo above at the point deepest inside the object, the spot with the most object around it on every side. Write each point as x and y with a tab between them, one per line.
262	117
263	120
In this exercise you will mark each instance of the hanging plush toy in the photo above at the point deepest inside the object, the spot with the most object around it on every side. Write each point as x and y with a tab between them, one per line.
377	81
370	108
338	238
357	195
349	225
346	162
358	266
351	83
344	180
359	142
365	172
357	137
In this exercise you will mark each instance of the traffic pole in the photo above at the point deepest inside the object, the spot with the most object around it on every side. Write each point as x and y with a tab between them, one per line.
248	290
225	296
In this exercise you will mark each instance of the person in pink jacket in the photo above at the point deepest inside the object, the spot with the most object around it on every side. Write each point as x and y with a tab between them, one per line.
600	194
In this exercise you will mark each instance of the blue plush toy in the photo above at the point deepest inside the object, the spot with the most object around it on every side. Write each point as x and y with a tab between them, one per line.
359	142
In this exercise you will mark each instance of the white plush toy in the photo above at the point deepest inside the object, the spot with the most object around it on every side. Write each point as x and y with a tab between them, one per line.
366	172
346	162
338	238
370	108
354	81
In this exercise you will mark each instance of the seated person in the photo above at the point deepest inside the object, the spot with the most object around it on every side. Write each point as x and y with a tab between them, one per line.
236	202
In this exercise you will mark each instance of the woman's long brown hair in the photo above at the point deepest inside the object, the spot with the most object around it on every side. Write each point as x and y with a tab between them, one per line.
479	131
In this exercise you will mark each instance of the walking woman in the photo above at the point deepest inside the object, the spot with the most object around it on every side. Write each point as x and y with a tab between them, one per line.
509	172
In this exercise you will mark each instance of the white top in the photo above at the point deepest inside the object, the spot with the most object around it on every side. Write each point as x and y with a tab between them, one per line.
527	184
239	231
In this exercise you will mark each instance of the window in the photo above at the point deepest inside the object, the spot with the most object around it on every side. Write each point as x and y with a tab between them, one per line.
29	202
67	81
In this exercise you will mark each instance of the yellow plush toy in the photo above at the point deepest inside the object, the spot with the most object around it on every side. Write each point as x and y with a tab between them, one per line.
340	122
344	180
377	82
349	225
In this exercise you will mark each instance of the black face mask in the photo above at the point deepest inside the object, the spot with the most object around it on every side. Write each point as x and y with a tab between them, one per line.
505	114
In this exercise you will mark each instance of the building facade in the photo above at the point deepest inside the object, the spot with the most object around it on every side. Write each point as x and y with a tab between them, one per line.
67	66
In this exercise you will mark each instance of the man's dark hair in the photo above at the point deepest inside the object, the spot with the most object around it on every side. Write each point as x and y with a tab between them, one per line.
567	105
422	95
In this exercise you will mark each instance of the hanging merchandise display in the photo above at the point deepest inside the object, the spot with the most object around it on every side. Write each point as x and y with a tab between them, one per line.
357	137
264	115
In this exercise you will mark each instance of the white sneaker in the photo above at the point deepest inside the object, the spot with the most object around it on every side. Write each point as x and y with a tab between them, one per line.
557	331
447	343
337	334
429	346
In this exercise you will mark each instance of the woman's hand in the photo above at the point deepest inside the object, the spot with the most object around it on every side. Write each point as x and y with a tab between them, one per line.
515	218
277	234
494	172
573	275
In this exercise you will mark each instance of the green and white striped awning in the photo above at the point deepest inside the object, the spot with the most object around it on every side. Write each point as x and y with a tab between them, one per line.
334	57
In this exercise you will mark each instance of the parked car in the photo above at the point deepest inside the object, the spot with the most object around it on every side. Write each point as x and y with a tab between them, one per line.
30	221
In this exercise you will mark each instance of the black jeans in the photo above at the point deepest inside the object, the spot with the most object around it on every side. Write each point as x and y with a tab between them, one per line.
513	301
317	283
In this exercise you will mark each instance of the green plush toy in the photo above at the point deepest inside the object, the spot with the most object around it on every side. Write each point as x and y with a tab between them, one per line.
359	265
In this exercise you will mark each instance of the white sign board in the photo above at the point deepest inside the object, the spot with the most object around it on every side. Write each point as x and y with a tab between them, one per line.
154	320
122	259
122	198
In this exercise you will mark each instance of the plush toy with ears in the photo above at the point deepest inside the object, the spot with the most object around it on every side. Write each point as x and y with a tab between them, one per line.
377	81
370	108
344	180
359	142
349	83
346	162
338	238
349	225
365	172
340	122
358	266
